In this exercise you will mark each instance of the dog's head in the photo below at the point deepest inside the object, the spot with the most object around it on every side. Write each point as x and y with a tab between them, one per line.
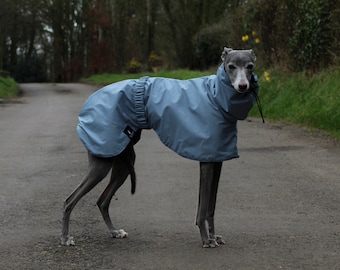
239	66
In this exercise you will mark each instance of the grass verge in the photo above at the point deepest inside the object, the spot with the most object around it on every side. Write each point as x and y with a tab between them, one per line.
311	101
8	87
182	74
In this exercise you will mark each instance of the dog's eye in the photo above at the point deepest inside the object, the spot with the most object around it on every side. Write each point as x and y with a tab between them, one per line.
232	67
250	66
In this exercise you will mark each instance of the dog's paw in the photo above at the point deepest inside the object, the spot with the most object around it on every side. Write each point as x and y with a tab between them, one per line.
120	234
213	243
219	240
68	241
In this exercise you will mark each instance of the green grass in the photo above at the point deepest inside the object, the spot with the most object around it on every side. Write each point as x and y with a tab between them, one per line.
8	87
182	74
311	101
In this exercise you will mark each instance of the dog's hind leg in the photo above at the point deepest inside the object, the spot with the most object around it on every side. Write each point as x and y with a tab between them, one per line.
98	168
209	179
122	167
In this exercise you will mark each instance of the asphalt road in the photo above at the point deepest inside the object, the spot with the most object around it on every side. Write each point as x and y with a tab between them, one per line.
278	205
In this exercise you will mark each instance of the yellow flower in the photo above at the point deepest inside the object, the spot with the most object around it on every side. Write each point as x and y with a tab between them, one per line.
245	38
253	33
266	76
257	40
134	66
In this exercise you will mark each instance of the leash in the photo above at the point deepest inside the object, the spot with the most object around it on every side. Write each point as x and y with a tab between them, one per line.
259	106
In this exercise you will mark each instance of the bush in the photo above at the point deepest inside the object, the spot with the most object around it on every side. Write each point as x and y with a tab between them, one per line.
311	35
208	45
32	69
295	35
4	74
134	66
8	87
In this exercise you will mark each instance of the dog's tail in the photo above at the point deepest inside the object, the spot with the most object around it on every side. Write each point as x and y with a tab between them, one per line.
132	172
128	158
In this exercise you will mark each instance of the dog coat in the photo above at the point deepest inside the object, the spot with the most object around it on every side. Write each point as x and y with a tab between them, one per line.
196	118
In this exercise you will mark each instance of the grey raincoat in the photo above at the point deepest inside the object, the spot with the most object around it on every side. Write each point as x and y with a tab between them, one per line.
196	118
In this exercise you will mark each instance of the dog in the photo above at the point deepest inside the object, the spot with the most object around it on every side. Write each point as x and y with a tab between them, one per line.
112	118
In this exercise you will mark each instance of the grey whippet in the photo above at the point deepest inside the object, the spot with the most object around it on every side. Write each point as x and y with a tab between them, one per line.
237	69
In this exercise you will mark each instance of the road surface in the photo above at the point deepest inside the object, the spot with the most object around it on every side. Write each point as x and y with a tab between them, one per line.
278	205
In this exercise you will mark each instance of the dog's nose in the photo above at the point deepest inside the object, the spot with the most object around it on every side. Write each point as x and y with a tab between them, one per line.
242	86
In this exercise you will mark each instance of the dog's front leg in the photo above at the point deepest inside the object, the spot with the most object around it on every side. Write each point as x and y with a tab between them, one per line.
212	204
209	179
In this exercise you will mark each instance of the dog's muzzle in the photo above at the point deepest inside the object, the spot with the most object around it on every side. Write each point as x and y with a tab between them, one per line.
242	88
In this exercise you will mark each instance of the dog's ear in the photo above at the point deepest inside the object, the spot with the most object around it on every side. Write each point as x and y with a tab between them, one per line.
225	52
253	55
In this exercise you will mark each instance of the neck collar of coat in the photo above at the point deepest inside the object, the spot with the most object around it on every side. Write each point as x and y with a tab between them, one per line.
230	102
